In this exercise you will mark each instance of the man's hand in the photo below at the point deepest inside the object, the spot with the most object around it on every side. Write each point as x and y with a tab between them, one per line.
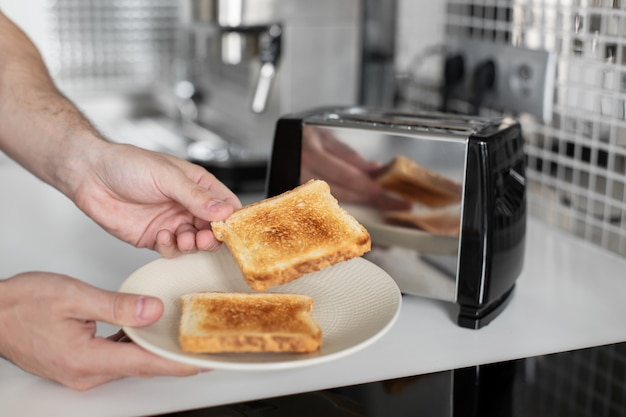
48	328
153	200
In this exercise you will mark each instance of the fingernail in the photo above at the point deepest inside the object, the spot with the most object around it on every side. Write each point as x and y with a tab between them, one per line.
146	306
216	205
212	246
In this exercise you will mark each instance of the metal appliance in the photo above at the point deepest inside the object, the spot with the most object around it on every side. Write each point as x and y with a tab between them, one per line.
241	64
475	267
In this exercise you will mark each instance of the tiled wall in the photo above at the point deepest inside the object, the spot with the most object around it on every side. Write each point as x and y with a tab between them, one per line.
420	26
577	162
120	46
93	45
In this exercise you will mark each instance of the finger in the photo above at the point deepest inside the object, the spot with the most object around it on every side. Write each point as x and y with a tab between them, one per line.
219	190
385	201
338	172
132	360
165	244
204	204
350	156
117	308
332	145
207	204
186	238
337	185
205	240
109	361
348	195
306	174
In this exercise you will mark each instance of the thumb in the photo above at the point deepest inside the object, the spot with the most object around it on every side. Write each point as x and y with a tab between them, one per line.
208	204
123	309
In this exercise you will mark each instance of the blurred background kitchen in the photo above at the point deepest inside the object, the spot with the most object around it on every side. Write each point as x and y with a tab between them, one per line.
206	80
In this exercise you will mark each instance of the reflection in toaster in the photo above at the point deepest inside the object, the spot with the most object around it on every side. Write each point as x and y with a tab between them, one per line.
411	210
439	222
433	193
405	193
417	183
348	172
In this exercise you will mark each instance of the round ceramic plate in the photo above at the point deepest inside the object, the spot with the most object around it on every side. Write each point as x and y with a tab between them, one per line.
355	303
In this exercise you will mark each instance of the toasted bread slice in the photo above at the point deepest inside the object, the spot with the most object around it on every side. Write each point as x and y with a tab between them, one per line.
436	222
279	239
418	184
215	322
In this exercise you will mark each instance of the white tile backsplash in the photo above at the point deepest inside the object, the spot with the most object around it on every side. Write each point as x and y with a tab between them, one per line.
420	25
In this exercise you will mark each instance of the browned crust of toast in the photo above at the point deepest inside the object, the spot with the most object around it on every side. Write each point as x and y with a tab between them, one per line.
248	322
282	238
262	280
249	344
418	184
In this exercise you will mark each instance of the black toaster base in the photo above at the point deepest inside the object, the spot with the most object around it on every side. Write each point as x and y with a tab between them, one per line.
473	317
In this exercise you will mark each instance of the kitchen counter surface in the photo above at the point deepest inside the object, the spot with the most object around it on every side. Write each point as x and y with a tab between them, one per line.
570	296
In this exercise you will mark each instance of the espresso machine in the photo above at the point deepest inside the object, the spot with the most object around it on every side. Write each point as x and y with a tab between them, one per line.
240	65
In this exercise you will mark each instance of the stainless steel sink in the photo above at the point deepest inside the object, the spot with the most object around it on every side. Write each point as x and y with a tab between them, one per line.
140	122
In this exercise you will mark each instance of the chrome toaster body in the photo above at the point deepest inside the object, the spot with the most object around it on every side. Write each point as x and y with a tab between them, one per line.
478	266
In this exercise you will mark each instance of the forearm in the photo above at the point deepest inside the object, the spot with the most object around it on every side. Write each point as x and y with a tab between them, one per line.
39	127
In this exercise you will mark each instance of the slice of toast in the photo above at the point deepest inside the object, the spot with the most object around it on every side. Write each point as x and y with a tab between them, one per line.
217	322
418	184
281	238
437	222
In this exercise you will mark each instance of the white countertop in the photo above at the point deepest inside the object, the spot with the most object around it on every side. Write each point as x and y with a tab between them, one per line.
570	296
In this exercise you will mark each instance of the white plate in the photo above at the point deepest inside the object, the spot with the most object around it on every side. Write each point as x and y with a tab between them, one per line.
355	303
406	237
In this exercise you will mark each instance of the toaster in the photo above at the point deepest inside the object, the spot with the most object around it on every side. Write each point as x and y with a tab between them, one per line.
472	251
